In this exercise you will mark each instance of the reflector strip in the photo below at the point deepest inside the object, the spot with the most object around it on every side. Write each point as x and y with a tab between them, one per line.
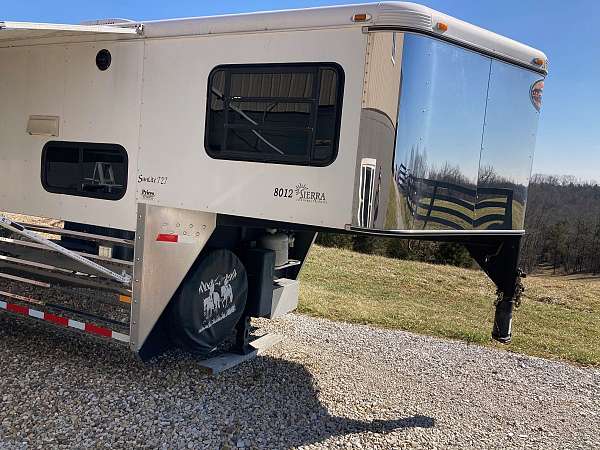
90	328
18	309
167	237
64	321
176	238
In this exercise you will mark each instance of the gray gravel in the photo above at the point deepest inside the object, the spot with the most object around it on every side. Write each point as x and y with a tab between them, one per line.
327	385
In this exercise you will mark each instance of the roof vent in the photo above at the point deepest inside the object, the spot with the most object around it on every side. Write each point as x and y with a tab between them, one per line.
403	18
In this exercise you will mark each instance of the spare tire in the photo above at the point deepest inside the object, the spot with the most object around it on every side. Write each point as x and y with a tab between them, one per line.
209	303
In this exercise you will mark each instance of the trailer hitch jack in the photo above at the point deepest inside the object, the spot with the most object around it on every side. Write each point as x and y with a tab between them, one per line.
499	260
242	337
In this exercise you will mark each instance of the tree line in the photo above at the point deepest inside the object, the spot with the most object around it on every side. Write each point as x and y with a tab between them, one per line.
562	221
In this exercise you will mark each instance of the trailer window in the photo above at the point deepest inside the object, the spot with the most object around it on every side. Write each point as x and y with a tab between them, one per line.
85	169
277	113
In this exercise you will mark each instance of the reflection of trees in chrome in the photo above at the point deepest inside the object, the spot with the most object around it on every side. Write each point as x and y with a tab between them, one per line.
417	167
450	174
443	195
489	176
417	162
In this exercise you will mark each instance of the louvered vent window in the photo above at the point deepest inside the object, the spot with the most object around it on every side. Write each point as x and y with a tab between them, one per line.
275	113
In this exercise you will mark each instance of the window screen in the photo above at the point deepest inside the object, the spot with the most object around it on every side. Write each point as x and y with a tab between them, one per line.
280	113
85	169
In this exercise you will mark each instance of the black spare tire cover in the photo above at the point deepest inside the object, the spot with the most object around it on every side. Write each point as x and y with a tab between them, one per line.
209	303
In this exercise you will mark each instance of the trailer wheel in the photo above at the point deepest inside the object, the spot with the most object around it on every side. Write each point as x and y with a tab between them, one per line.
209	303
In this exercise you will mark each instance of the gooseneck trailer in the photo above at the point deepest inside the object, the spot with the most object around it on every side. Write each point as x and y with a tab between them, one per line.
183	167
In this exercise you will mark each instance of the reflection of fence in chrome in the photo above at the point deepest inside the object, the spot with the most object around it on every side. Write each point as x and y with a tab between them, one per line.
454	206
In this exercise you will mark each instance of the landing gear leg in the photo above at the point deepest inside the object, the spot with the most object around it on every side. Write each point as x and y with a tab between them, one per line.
499	259
242	337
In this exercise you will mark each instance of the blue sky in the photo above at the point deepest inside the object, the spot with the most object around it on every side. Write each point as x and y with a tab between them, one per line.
569	133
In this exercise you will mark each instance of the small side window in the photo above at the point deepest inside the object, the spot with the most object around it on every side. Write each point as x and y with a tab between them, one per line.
275	113
85	169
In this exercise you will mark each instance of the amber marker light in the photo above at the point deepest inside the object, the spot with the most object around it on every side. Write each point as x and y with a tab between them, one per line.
538	61
360	17
441	26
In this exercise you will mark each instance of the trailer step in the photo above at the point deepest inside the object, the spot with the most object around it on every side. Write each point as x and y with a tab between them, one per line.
64	321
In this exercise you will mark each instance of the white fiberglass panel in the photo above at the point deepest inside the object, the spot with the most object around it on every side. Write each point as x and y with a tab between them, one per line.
174	167
91	105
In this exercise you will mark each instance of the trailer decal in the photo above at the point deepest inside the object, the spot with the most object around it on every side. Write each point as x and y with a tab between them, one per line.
304	194
535	93
153	180
64	321
148	195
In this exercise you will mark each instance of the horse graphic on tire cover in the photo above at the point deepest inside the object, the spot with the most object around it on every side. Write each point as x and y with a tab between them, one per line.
217	301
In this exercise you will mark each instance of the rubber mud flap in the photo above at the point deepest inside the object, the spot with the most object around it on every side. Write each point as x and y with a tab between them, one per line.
209	302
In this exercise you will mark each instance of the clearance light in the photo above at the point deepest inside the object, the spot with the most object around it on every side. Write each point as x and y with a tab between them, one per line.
441	26
361	17
539	61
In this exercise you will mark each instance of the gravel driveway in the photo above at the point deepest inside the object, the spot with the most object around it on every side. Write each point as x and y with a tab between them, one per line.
327	385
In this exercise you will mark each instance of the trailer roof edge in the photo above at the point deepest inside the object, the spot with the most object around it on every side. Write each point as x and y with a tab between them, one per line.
383	15
401	15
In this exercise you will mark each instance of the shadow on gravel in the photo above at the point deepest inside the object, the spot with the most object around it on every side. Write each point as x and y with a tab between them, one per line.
265	403
285	395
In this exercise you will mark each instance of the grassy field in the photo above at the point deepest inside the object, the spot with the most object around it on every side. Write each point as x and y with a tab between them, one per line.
559	317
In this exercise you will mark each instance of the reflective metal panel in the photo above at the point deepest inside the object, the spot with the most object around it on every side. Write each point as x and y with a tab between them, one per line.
442	106
439	177
160	266
507	149
374	187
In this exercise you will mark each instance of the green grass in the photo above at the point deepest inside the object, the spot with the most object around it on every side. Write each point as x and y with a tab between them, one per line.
559	317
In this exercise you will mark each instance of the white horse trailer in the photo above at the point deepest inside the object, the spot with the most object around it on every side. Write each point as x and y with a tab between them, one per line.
188	164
